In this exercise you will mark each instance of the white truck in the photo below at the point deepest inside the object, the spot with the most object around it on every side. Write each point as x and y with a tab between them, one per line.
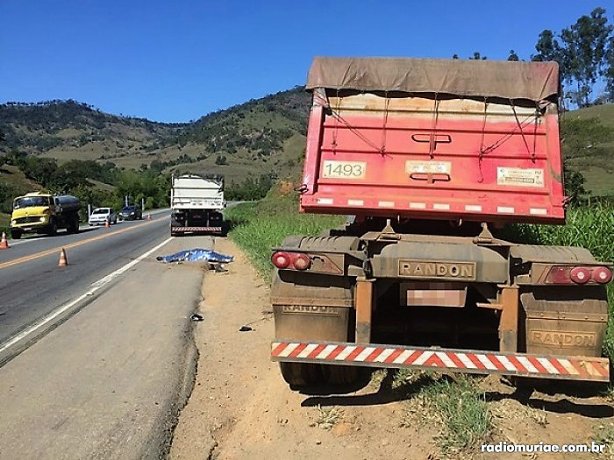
196	204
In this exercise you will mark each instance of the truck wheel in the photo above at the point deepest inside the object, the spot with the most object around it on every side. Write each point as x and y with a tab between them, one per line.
299	375
15	234
343	375
53	228
73	226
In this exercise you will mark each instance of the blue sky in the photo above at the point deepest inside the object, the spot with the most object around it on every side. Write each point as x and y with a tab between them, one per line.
175	61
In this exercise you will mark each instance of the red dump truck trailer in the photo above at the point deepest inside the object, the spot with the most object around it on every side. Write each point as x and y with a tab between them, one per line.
431	158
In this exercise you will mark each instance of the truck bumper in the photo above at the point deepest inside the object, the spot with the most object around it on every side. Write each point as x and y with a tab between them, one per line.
440	359
196	229
31	227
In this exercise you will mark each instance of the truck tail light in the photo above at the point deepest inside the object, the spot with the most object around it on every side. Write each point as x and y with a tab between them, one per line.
602	275
565	274
281	259
301	261
580	275
297	260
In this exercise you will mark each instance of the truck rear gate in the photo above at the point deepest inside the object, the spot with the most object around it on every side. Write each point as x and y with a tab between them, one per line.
432	155
441	359
196	204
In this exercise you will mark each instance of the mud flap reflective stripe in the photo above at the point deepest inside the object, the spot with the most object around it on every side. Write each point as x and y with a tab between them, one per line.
478	362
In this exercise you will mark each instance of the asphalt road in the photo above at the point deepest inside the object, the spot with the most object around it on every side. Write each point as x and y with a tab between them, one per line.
31	283
108	380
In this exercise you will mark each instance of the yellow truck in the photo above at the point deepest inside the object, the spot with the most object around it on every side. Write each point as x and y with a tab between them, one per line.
43	212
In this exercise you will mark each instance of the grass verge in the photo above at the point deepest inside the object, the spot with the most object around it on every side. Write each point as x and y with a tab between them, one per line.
457	407
258	227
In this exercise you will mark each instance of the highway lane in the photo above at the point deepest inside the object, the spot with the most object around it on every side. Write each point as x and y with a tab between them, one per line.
32	285
108	382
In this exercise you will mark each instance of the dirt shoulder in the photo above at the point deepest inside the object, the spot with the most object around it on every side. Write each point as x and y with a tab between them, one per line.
241	408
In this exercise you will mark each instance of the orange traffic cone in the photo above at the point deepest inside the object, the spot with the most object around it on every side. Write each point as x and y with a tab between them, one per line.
106	223
4	244
63	260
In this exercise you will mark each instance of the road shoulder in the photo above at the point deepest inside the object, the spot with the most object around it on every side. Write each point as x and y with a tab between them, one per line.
108	382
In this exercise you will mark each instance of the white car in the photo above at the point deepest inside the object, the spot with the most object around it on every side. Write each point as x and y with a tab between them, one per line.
101	215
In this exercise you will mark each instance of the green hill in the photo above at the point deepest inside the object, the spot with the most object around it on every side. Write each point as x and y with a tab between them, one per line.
70	130
263	136
588	146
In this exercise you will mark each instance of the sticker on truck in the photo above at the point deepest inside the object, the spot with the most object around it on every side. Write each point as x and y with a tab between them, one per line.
520	177
428	167
344	169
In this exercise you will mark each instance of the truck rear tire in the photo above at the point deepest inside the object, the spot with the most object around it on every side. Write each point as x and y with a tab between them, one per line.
343	375
300	376
73	226
53	228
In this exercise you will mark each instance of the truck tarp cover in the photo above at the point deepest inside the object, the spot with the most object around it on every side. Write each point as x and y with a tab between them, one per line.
535	81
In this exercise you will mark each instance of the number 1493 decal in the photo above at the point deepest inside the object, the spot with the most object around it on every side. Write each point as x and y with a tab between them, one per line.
344	169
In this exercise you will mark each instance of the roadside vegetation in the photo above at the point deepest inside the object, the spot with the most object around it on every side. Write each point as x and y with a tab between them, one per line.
457	407
93	183
257	227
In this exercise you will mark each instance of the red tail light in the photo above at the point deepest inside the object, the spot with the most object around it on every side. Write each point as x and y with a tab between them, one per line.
298	261
565	274
580	275
301	261
281	259
602	275
558	275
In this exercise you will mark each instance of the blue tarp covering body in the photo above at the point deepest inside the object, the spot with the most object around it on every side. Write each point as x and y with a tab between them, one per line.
197	255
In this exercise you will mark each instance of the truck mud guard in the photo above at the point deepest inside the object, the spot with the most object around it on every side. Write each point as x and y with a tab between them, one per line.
440	359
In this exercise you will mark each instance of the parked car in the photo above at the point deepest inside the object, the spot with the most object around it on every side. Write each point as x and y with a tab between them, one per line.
100	215
131	213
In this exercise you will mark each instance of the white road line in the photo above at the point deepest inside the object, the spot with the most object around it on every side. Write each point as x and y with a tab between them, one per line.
95	287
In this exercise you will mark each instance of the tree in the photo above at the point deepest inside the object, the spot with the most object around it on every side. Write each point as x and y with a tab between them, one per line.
220	160
574	186
513	56
583	54
609	71
477	56
547	47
